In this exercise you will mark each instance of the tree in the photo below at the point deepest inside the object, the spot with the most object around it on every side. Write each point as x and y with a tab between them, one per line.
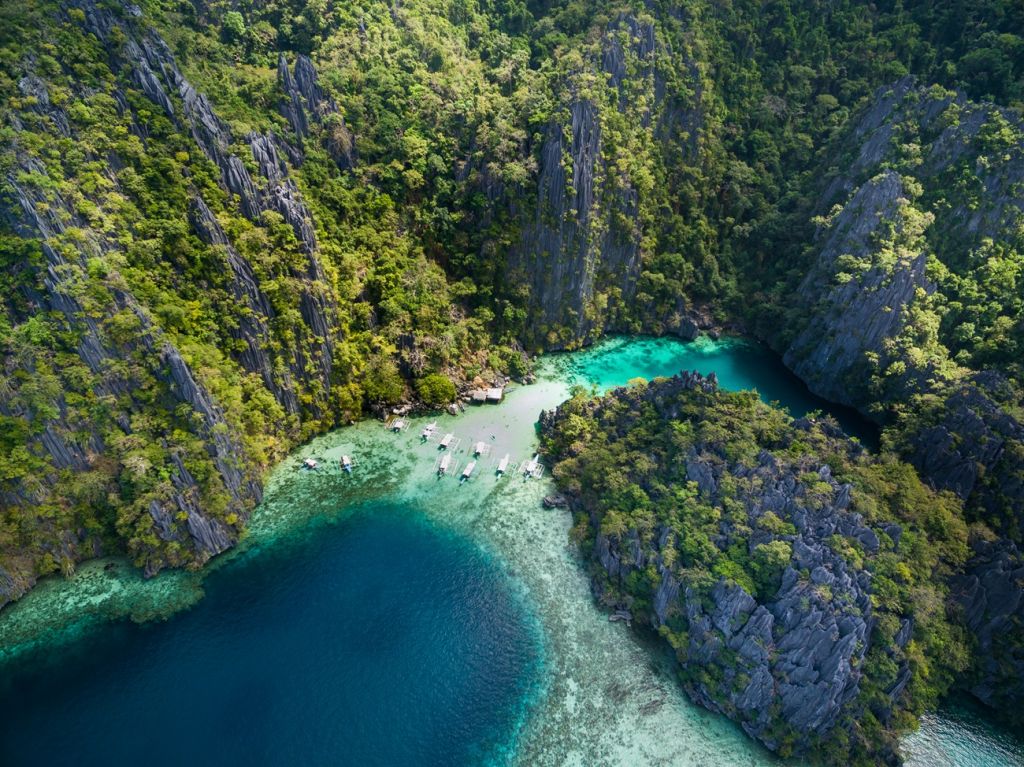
436	389
768	562
383	384
233	26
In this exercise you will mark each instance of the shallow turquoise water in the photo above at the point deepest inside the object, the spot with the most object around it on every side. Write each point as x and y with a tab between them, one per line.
960	735
389	617
738	364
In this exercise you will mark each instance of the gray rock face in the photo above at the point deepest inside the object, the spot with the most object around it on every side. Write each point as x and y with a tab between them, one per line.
970	444
850	320
305	103
32	86
102	355
220	441
784	663
9	590
990	596
871	267
580	245
950	130
252	328
292	107
802	647
130	372
149	63
561	251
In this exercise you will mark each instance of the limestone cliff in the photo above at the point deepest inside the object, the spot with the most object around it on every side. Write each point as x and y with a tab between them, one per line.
191	494
580	248
762	560
922	186
131	369
927	185
990	597
855	316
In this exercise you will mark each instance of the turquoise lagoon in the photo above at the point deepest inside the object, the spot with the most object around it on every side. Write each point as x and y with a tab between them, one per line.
390	617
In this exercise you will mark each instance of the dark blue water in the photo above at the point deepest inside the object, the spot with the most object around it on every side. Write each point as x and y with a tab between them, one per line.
381	640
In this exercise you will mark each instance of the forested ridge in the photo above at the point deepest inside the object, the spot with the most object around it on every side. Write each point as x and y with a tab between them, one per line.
229	226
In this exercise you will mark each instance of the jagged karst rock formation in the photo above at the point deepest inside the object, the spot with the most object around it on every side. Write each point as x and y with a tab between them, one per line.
859	315
953	132
990	594
790	654
105	357
144	368
969	442
202	272
928	183
143	56
901	214
580	247
305	102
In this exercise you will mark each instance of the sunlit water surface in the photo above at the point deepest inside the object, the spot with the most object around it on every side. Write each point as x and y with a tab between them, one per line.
389	617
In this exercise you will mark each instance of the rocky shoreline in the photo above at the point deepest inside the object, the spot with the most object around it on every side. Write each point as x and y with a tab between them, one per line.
787	658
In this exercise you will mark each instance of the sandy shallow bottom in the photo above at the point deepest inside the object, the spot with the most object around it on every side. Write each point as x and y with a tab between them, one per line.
604	697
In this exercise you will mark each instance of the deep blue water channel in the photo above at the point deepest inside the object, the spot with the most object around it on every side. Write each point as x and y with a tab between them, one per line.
380	640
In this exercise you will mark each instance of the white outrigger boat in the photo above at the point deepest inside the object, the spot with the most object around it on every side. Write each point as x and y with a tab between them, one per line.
346	463
309	463
479	448
468	470
442	468
446	440
532	467
428	430
503	465
397	425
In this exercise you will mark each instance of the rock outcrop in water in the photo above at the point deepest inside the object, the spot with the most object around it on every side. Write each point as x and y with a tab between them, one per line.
760	550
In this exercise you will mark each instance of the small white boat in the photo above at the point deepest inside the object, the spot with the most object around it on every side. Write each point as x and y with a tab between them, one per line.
446	440
503	464
446	460
428	430
309	463
397	425
346	463
479	448
531	466
468	470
